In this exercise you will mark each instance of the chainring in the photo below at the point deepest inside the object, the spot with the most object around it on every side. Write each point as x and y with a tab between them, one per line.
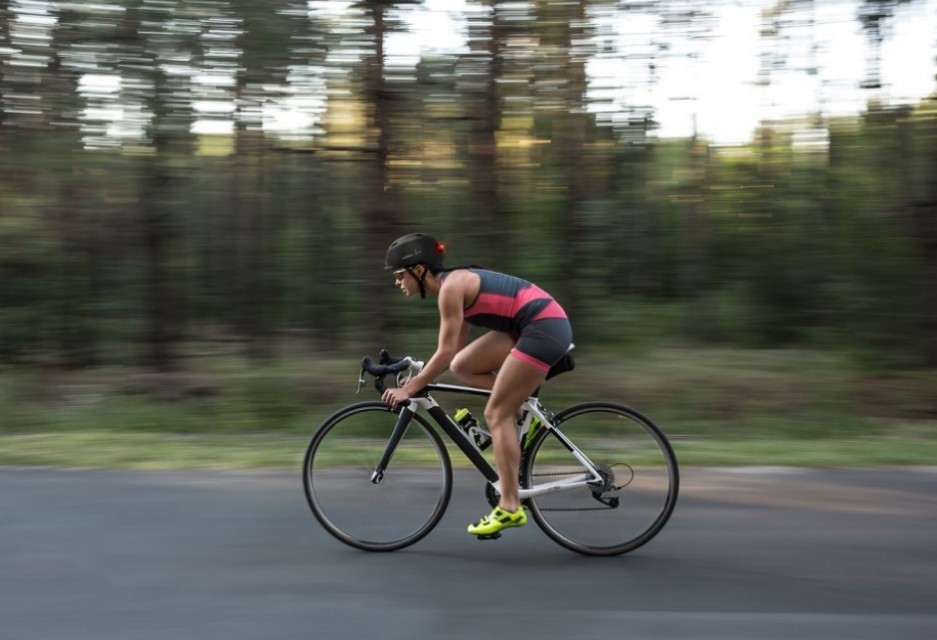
491	495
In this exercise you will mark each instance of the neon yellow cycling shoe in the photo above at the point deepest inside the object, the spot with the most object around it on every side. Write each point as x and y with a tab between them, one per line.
491	525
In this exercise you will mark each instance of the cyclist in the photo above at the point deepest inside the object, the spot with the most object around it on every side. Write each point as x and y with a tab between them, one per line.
529	332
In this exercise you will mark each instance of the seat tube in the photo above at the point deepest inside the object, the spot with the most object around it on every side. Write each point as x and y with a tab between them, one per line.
403	421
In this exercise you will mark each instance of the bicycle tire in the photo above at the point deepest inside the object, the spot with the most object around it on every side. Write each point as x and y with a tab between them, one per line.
395	513
644	479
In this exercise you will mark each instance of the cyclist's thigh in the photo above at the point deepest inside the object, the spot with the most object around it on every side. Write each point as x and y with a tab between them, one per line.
484	354
516	380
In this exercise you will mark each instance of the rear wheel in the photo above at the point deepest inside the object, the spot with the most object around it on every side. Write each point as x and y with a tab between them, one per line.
404	506
640	479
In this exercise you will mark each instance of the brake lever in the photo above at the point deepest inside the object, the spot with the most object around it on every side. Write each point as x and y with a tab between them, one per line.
361	382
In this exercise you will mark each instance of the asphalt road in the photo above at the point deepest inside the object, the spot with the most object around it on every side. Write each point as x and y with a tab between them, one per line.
749	553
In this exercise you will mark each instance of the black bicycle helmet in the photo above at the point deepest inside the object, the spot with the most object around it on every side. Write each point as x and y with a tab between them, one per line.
413	249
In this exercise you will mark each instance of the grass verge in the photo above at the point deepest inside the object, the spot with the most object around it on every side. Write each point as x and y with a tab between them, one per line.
720	407
153	451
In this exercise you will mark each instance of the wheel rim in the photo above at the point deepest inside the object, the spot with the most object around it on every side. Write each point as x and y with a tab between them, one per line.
394	513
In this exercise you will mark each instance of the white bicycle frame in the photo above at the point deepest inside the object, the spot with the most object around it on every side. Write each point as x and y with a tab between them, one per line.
531	409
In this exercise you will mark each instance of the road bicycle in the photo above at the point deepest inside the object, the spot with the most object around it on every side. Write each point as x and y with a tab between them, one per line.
380	478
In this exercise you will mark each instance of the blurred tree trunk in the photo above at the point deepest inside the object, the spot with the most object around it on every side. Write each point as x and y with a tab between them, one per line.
483	73
626	220
74	330
325	309
874	16
314	188
918	162
925	227
156	236
147	40
380	220
22	120
163	304
564	31
29	280
695	267
6	19
646	230
247	212
267	36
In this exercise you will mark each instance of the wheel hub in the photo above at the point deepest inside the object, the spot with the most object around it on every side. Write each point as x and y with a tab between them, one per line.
608	480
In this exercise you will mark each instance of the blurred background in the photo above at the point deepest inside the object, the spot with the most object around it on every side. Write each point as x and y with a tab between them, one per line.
735	200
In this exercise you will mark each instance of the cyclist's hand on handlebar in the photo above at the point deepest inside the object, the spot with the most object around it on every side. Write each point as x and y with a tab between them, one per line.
393	397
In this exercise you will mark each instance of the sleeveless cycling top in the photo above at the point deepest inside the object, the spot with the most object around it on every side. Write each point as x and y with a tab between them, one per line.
508	304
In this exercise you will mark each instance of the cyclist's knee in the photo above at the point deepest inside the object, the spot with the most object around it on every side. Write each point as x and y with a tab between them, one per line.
459	366
496	415
467	369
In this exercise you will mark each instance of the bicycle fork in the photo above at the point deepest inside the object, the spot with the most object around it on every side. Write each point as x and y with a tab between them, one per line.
400	428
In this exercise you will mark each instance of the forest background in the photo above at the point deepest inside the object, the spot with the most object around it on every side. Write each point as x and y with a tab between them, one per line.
186	280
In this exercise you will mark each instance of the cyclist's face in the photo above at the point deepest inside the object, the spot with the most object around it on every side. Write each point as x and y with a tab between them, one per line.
406	279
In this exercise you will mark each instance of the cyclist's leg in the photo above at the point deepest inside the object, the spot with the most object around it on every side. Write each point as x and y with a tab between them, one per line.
477	363
540	345
516	381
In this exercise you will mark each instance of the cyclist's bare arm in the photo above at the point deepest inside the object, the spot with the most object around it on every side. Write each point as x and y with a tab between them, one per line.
453	334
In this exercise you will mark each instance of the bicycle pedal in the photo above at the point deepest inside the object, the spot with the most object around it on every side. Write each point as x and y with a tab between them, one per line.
489	536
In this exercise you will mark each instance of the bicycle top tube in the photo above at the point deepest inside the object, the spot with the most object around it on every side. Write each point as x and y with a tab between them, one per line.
456	388
408	365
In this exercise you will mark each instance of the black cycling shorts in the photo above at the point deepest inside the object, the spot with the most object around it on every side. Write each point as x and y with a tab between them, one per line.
543	342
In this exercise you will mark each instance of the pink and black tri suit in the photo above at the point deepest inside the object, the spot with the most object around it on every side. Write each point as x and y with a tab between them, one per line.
526	312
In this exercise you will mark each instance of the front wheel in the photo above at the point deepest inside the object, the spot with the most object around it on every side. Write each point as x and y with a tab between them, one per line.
394	513
639	486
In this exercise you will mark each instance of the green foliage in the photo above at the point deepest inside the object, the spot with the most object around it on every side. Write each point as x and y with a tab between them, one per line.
645	241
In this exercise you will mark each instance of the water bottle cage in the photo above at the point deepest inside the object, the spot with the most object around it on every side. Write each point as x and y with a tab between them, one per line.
481	437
